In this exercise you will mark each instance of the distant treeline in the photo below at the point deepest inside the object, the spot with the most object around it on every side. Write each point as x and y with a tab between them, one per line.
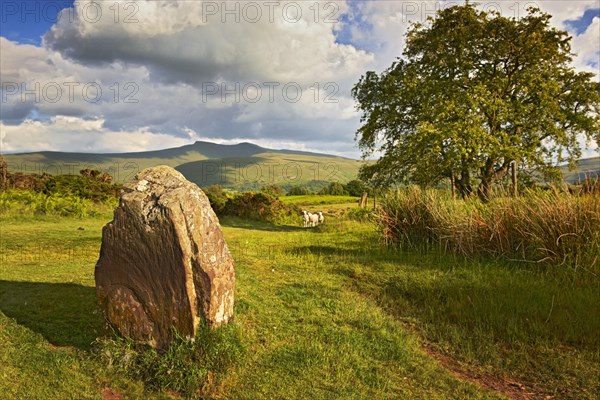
352	188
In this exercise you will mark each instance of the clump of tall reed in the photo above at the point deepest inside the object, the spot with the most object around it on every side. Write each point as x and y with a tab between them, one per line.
548	227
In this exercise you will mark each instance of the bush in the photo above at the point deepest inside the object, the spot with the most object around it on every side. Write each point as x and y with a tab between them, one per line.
356	188
24	202
217	198
60	195
334	189
91	184
549	227
260	206
273	190
82	187
298	191
96	175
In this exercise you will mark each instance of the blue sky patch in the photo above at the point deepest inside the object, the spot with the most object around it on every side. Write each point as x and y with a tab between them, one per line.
581	24
352	20
27	21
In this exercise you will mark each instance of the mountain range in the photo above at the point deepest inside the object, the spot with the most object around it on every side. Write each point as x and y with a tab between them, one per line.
242	166
585	168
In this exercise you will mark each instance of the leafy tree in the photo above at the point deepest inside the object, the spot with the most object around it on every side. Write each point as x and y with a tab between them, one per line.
334	189
273	190
356	187
473	93
298	191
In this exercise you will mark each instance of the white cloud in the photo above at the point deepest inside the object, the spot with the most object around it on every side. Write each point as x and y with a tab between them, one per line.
62	133
201	47
390	20
587	48
166	52
167	60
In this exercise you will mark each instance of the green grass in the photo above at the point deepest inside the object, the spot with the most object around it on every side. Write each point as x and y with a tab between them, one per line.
312	200
495	318
322	313
331	206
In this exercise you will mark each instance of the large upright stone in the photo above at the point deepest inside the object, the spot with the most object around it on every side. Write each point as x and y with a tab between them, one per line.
164	262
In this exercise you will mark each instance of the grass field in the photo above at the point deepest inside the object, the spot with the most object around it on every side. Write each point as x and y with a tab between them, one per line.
323	313
331	206
312	200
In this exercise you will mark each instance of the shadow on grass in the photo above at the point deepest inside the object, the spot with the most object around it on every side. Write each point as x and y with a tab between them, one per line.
513	302
64	313
375	251
429	256
258	225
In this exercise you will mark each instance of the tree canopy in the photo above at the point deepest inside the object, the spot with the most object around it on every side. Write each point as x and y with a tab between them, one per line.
473	92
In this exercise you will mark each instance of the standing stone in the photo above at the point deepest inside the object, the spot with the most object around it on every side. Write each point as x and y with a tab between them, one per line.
164	262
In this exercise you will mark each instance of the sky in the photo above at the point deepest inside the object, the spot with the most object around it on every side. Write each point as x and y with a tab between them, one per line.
121	76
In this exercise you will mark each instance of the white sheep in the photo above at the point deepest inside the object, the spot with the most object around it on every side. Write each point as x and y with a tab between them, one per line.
321	217
305	217
309	219
313	219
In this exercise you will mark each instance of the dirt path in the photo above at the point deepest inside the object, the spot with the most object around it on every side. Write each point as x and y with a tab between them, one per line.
111	394
501	385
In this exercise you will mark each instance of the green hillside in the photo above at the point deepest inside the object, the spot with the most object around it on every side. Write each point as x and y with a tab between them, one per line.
241	166
585	168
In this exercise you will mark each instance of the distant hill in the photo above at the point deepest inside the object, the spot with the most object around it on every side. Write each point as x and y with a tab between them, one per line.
242	166
586	168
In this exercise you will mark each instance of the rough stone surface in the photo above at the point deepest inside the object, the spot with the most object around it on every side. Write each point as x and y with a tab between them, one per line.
164	262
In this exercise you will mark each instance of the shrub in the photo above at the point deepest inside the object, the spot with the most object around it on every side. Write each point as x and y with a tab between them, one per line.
96	175
356	188
217	198
84	187
91	184
26	202
23	181
298	191
60	195
273	190
260	206
334	189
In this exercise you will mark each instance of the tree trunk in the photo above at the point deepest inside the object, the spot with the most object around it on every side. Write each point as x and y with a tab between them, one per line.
515	189
484	190
489	175
453	186
463	184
